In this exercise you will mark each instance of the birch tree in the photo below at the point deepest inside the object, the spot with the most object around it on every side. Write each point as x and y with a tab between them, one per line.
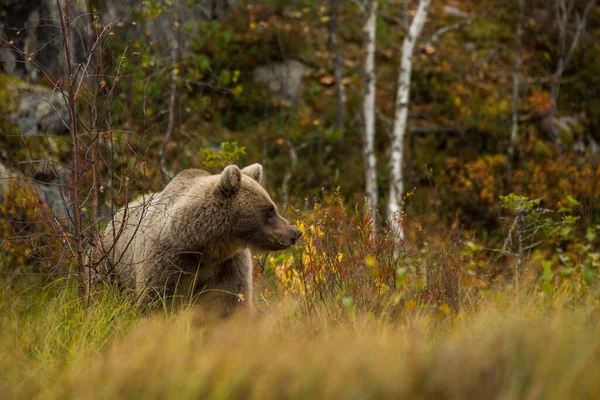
394	209
369	110
166	176
514	131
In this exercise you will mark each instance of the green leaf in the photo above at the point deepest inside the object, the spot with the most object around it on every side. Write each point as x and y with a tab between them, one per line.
590	235
565	271
589	276
572	201
349	306
224	77
547	288
548	274
400	277
473	246
564	259
348	301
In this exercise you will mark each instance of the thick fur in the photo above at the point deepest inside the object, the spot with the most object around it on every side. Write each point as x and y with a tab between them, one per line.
193	239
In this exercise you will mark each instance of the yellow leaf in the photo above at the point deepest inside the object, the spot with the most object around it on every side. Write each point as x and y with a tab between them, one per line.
175	71
370	261
410	304
238	90
445	309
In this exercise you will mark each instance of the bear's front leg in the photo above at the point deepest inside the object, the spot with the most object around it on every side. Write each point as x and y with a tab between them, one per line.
230	289
164	280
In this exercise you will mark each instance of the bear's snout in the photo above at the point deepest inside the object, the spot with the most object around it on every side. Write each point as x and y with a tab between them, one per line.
297	234
288	235
293	234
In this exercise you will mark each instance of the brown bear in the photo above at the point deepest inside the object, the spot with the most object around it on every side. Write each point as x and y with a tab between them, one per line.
193	239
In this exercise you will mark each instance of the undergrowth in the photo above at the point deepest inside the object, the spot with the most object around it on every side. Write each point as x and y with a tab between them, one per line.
344	314
510	345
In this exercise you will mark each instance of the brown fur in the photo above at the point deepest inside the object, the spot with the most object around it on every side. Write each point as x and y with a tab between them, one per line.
194	238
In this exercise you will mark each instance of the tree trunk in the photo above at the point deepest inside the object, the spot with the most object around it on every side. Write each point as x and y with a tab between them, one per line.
337	66
165	174
400	120
64	13
514	131
369	112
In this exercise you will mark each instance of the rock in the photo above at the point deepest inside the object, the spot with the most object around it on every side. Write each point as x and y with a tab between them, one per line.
37	28
284	79
40	111
49	192
33	27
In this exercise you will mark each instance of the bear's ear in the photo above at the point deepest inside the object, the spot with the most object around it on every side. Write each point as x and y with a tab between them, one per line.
254	171
231	179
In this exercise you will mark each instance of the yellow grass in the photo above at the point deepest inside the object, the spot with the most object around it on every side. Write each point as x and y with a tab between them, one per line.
510	346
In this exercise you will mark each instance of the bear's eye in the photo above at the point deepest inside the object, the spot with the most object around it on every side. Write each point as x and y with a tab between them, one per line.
270	213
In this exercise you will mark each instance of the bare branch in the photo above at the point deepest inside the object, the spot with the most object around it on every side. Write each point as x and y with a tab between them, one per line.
449	28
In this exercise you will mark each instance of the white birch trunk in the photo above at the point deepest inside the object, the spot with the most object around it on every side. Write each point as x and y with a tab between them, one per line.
514	130
369	112
400	120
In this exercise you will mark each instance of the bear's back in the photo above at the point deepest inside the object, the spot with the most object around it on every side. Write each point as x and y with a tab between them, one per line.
185	180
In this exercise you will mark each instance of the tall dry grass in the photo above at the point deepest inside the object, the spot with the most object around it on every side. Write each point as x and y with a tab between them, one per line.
510	345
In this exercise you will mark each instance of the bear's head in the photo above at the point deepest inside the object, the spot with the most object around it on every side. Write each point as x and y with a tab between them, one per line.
254	216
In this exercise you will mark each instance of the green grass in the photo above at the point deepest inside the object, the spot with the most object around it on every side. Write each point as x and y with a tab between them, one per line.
510	345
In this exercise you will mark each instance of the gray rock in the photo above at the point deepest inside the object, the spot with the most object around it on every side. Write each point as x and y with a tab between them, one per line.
39	24
49	192
40	111
284	79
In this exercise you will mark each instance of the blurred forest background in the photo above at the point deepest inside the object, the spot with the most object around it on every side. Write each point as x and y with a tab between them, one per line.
441	157
103	101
